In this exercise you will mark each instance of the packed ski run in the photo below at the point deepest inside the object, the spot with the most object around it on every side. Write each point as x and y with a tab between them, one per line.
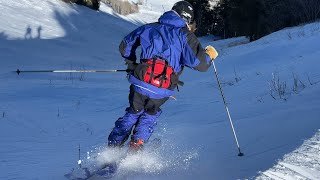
302	163
46	116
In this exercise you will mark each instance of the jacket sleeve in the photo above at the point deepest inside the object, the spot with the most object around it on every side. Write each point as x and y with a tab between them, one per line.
130	43
194	55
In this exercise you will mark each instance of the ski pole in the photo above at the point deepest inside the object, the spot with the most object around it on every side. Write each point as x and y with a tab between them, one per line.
79	161
227	109
69	71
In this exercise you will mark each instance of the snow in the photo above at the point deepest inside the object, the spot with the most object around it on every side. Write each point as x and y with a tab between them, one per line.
212	4
302	163
150	11
45	116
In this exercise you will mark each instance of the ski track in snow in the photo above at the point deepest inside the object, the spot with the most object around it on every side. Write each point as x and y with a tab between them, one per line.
303	163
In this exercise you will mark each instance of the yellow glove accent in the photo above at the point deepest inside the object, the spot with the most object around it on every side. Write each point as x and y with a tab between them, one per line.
211	51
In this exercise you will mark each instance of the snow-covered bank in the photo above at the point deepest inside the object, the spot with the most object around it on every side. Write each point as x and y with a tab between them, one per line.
302	163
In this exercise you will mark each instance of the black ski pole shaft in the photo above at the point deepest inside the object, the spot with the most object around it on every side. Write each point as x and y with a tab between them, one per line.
70	71
227	109
79	161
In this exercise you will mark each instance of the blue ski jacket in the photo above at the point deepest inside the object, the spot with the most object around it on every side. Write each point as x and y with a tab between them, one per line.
170	39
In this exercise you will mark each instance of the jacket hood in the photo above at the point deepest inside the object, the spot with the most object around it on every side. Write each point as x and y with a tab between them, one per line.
172	18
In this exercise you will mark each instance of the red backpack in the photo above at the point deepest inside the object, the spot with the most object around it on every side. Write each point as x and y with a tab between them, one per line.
158	73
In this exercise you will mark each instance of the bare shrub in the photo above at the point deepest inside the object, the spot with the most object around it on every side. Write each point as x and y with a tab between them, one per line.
260	99
298	85
278	88
72	76
316	28
237	77
289	35
58	113
81	76
301	33
75	76
231	82
227	82
239	42
311	82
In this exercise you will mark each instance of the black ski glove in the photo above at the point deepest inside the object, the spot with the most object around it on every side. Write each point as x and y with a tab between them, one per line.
131	66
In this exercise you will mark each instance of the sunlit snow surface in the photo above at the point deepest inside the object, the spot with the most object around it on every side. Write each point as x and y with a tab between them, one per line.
302	163
44	117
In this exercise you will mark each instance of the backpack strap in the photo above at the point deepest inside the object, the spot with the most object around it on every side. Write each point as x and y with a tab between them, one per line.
163	75
152	71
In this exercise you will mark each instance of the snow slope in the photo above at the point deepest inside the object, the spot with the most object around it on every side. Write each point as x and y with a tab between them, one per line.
45	116
150	11
303	163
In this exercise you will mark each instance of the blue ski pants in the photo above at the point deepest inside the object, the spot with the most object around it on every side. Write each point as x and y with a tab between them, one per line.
141	117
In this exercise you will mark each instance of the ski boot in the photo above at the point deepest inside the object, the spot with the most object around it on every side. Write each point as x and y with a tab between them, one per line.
136	146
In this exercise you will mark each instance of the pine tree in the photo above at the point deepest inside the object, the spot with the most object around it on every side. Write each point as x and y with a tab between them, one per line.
252	18
203	16
238	18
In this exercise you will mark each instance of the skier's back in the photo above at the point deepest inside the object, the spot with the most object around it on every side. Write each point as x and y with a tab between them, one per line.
166	47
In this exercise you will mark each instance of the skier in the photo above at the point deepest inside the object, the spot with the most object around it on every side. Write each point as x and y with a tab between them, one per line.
166	47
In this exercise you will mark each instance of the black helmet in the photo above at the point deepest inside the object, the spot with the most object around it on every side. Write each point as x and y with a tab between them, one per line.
185	10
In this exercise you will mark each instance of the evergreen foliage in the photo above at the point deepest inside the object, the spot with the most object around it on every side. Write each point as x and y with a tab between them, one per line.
252	18
203	17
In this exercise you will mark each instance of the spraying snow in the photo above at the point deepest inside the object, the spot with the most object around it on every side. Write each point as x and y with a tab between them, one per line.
151	161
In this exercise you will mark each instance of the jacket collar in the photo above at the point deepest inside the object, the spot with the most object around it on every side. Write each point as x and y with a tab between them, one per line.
172	18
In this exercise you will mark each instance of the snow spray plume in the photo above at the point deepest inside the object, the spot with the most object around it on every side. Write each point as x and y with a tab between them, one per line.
227	109
70	71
